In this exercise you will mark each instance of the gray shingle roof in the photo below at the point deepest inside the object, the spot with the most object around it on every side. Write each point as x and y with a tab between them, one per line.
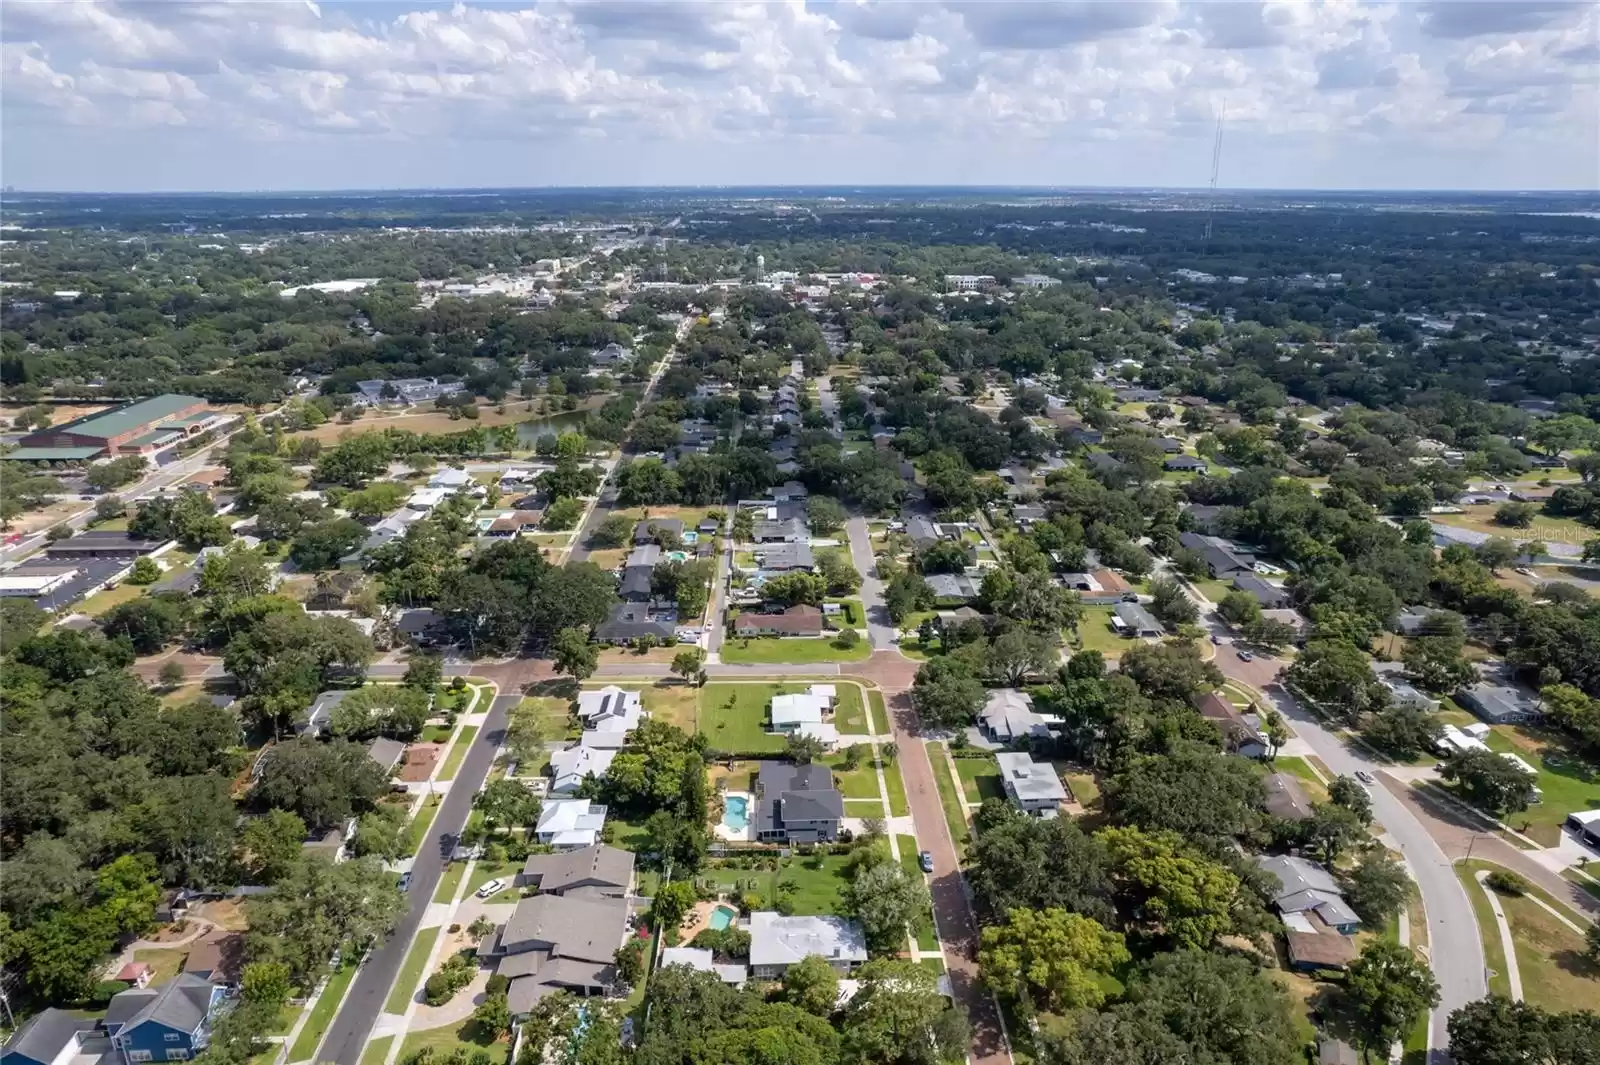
45	1035
599	865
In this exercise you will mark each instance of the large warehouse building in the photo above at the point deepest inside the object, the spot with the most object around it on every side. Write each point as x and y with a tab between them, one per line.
148	427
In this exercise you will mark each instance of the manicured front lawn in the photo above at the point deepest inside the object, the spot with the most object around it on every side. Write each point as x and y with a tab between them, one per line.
483	872
980	778
322	1013
955	814
1301	769
733	717
759	650
1096	634
100	602
898	806
405	984
880	714
458	752
813	884
863	808
284	1022
446	1040
858	783
849	716
377	1051
854	614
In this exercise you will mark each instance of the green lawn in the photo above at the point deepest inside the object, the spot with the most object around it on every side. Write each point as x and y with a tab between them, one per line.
733	717
436	733
284	1022
858	783
1213	590
898	805
1565	778
417	830
880	714
955	813
621	833
1582	881
377	1051
814	884
1096	634
1299	767
1555	975
458	752
323	1012
849	715
449	880
165	962
863	808
760	650
483	872
980	778
446	1040
416	963
855	615
922	928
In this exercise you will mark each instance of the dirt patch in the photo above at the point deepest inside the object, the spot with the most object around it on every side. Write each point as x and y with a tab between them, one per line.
420	758
36	520
224	913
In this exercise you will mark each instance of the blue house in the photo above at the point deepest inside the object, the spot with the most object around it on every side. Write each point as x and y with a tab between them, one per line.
52	1037
168	1023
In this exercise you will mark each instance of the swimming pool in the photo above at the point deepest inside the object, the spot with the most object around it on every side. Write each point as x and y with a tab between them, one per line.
721	918
736	813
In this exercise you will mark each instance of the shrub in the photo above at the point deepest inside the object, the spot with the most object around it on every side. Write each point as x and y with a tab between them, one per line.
1507	882
497	985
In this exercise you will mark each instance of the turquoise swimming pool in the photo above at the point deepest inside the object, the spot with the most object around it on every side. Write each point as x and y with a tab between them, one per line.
736	813
721	918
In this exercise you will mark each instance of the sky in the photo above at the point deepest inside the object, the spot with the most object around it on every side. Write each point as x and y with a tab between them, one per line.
165	95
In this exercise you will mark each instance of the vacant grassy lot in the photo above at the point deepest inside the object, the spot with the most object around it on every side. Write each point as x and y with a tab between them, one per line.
733	717
849	715
672	702
1544	527
1555	974
763	650
1096	634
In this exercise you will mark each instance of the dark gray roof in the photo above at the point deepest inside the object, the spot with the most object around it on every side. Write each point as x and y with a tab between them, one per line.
46	1034
101	542
629	620
181	1005
598	865
795	793
1266	594
126	1005
587	929
387	753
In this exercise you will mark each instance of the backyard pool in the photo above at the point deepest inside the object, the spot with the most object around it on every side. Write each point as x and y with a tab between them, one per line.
721	918
736	813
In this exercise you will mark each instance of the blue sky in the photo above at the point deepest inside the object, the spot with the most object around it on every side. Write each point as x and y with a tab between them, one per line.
124	96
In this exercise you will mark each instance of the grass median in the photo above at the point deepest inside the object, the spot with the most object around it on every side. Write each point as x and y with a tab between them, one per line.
955	812
458	752
405	984
322	1014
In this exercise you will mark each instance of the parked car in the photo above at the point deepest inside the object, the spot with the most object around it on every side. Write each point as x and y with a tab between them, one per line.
493	887
405	883
1364	776
1246	656
925	859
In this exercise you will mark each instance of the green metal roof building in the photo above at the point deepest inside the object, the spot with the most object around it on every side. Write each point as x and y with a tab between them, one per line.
141	427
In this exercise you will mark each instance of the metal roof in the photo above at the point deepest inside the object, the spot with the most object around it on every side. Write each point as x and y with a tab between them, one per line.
51	454
127	418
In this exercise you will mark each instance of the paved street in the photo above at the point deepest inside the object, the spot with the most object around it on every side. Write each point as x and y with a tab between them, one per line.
347	1037
1454	949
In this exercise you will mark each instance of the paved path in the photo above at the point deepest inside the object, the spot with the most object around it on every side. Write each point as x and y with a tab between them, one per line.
347	1037
1508	946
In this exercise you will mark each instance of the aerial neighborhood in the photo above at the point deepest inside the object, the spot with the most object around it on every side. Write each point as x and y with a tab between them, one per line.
688	639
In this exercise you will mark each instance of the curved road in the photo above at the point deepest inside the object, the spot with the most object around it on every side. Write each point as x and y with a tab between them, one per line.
1455	950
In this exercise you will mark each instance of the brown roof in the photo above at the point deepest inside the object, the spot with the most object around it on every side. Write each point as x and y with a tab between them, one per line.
221	954
1286	798
800	620
1329	950
1110	581
1214	707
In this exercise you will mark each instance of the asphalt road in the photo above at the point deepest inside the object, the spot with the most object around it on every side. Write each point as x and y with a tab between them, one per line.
347	1037
1454	950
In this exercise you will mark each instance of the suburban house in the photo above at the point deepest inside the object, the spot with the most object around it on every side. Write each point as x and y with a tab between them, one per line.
1205	519
386	753
559	943
1222	558
637	572
1270	596
653	530
1100	588
218	957
1500	701
1585	824
567	824
787	557
1404	693
629	622
1033	787
807	713
923	531
1134	621
801	619
788	492
50	1037
1186	464
569	768
702	960
777	942
1286	798
1008	716
610	710
1239	734
953	588
796	803
1309	894
588	872
313	720
172	1022
779	530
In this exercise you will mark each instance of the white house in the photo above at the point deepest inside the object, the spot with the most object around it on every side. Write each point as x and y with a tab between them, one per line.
777	942
450	479
701	959
425	499
790	713
611	709
568	823
1033	787
568	768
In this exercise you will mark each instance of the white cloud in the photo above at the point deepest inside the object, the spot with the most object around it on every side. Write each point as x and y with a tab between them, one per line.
782	90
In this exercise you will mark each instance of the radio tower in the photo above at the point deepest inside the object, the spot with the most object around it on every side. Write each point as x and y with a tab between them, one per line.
761	268
1216	165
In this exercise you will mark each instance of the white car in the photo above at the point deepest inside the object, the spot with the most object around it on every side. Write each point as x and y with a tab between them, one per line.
493	887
